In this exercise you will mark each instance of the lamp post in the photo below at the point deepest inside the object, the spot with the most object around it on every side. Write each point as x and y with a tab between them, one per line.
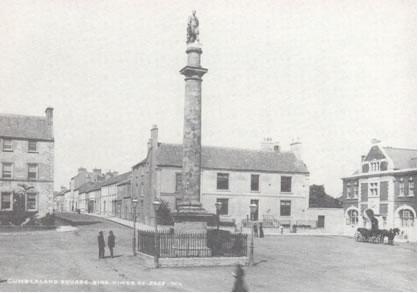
253	208
218	206
134	204
156	204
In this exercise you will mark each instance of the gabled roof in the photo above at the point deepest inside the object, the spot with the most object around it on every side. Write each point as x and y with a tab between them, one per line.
61	193
116	179
25	127
402	158
88	187
233	159
319	199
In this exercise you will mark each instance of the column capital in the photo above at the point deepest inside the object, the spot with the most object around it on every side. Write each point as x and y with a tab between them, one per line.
193	71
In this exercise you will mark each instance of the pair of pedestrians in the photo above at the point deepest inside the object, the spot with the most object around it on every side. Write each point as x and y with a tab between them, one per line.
110	243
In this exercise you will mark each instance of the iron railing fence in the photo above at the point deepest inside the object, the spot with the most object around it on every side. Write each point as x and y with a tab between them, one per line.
212	243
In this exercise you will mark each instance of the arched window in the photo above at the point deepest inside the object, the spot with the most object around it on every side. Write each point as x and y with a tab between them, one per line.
407	218
352	217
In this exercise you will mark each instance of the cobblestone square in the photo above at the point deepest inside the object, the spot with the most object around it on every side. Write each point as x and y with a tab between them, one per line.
68	261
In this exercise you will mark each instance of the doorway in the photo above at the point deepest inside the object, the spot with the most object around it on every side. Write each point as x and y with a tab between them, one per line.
321	221
255	215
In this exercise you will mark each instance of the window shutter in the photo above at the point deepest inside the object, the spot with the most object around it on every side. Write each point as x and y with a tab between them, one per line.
384	190
364	187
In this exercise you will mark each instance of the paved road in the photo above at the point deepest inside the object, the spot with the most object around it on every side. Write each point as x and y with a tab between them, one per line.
305	263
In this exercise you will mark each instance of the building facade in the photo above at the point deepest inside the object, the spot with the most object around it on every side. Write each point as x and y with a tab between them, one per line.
386	184
325	212
73	201
27	159
277	182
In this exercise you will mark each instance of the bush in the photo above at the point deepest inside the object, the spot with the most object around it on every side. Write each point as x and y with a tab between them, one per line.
164	214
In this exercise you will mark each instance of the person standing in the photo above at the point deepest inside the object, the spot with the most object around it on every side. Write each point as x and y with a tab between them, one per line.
261	230
255	228
239	284
111	242
101	243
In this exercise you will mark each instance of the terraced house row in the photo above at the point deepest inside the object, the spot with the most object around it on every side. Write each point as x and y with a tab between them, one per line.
106	194
276	181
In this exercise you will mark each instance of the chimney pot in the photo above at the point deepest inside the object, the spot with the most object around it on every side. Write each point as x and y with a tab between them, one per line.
49	113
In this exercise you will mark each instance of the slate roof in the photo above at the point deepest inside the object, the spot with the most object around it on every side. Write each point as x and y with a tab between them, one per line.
116	179
89	186
319	199
26	127
402	158
233	159
61	193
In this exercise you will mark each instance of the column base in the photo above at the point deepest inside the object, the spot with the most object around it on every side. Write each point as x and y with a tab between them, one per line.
192	218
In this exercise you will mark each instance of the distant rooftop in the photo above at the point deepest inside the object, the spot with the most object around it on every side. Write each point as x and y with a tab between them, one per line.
91	186
319	199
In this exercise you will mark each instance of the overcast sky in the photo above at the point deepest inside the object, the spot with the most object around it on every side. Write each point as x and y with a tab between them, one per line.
333	73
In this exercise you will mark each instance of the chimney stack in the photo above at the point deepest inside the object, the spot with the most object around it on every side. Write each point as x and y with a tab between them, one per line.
375	141
49	113
154	133
296	149
269	145
82	170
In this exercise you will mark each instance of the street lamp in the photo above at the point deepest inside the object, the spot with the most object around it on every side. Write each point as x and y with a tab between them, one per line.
218	206
156	204
134	204
253	209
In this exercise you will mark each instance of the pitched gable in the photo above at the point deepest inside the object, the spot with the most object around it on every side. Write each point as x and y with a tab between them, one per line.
375	154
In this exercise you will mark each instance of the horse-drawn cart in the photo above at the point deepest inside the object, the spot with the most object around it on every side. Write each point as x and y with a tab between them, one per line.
375	236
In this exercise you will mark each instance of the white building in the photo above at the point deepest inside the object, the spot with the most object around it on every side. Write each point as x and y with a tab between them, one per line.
276	181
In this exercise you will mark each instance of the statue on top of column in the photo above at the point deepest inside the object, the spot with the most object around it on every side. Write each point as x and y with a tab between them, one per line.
192	28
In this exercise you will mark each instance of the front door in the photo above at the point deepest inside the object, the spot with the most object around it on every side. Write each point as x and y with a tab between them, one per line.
321	221
255	215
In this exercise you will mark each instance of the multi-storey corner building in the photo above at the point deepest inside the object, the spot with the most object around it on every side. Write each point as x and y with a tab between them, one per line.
277	182
27	159
386	183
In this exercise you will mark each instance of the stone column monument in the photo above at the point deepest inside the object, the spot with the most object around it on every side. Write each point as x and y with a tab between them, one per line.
190	216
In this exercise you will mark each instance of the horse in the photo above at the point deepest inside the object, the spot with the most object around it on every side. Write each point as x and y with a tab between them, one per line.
390	234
